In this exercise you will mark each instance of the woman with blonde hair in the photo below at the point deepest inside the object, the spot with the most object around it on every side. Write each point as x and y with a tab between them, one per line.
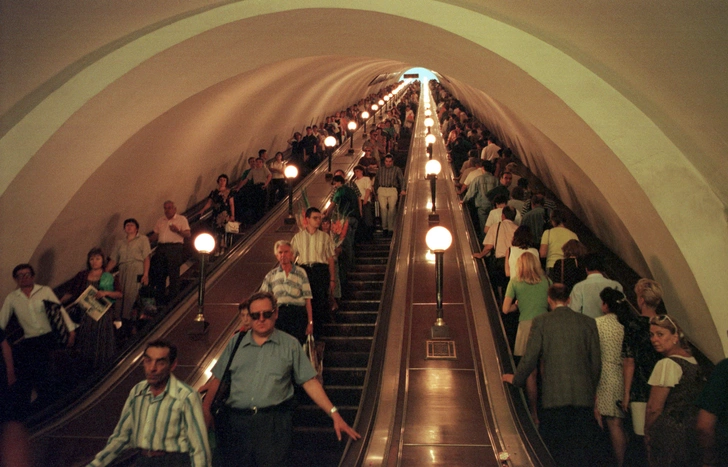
676	382
527	292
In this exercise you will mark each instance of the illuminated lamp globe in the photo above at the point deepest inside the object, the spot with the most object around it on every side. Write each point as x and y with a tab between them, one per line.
352	125
428	113
365	115
386	98
381	102
429	122
430	139
438	238
375	107
291	171
204	243
330	142
433	167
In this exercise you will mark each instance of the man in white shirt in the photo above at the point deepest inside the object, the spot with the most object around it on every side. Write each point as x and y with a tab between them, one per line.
490	152
33	352
170	231
585	295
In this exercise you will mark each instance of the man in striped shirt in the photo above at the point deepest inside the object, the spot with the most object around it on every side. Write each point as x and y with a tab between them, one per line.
289	284
162	418
389	185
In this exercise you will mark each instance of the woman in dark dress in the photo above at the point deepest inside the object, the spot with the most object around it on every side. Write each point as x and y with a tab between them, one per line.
95	339
223	208
569	271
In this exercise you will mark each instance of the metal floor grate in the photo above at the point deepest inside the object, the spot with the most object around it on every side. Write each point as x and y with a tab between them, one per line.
441	350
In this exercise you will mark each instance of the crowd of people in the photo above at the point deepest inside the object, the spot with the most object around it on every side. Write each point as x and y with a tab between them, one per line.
586	359
132	282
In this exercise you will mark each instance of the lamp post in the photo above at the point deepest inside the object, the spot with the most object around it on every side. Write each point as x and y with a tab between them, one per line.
430	140
204	244
438	240
428	123
352	128
432	169
375	107
381	106
386	100
364	118
329	142
291	173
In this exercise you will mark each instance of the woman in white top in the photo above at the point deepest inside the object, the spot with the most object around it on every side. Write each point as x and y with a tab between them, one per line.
521	244
676	382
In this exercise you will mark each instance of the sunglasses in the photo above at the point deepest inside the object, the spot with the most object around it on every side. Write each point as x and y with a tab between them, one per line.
661	318
266	315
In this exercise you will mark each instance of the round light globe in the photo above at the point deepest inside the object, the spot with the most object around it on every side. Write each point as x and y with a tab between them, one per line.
330	142
429	122
291	171
352	125
386	98
365	115
432	167
438	238
428	113
204	243
430	139
375	107
381	102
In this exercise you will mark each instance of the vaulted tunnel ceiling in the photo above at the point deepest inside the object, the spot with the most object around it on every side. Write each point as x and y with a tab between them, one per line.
106	110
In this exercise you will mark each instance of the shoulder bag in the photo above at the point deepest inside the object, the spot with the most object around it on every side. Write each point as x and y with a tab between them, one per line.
223	391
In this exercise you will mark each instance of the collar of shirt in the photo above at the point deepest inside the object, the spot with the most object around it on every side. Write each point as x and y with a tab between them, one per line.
274	338
172	389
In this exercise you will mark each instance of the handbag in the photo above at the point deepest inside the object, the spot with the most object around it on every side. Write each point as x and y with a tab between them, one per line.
223	390
315	352
232	227
58	326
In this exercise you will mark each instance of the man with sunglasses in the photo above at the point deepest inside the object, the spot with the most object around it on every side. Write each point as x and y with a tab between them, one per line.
256	427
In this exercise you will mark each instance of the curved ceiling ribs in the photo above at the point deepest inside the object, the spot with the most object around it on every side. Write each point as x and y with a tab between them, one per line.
172	108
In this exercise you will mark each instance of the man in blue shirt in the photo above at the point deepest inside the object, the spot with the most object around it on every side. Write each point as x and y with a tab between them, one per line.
256	426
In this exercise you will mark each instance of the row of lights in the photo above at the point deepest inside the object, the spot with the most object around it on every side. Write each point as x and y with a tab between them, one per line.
205	243
438	238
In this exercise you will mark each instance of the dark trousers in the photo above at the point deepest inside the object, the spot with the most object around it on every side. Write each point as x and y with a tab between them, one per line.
166	261
319	278
171	459
260	440
277	190
293	320
32	357
571	434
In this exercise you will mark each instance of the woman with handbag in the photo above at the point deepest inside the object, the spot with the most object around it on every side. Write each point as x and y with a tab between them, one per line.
527	292
223	208
569	270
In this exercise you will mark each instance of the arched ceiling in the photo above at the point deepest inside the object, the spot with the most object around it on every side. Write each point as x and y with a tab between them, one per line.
106	110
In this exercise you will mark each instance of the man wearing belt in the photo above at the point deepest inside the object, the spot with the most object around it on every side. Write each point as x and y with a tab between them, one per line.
289	284
162	417
170	231
256	426
389	183
316	255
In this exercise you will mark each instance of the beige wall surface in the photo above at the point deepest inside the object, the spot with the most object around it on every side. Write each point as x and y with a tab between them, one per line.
109	108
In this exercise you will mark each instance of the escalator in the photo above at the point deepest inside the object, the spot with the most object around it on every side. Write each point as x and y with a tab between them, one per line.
348	346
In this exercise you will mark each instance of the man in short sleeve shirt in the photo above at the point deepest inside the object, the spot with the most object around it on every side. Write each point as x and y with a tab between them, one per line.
256	426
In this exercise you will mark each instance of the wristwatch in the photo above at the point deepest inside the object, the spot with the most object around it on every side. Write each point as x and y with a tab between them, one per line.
333	411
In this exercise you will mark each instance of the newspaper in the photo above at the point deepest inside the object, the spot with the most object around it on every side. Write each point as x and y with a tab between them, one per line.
94	307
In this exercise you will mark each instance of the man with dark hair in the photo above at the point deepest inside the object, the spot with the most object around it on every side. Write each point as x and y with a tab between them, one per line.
32	354
504	182
162	417
490	151
498	240
256	426
499	202
310	149
315	252
536	217
346	203
567	345
389	185
585	294
170	231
